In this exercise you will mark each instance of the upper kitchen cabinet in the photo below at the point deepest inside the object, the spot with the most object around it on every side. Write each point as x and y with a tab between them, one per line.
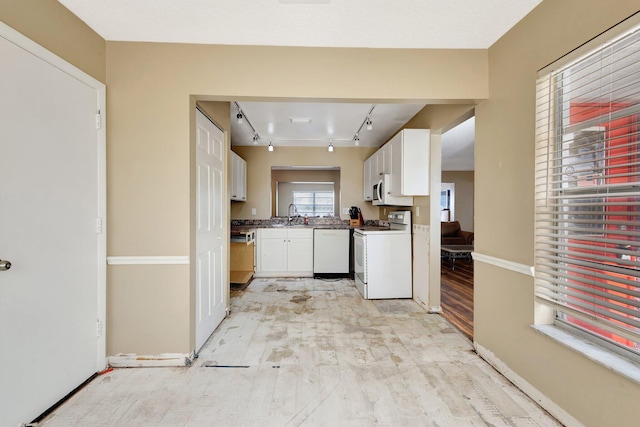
405	158
238	178
369	178
410	162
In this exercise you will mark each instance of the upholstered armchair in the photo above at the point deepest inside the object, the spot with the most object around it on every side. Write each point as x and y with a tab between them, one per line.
451	234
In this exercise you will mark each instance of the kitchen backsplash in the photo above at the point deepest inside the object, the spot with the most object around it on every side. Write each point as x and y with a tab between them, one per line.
299	221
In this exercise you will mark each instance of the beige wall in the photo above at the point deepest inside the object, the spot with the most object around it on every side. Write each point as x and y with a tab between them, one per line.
463	181
151	93
259	184
51	25
504	174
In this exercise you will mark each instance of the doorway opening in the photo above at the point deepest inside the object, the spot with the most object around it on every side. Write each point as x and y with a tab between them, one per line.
456	204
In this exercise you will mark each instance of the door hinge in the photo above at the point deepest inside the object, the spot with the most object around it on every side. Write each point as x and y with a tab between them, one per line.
98	328
98	120
98	225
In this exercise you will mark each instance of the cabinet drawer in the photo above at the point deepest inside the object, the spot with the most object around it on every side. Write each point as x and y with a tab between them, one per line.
297	233
272	233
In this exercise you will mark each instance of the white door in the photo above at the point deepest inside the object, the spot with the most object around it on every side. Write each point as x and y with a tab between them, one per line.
211	304
51	191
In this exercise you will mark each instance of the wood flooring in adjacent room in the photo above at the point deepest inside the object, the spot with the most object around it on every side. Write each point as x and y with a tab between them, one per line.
303	352
456	295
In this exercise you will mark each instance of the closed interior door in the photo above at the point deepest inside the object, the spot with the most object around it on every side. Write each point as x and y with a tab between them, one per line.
211	304
49	205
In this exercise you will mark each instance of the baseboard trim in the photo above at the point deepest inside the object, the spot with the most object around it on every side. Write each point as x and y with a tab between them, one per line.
132	360
547	404
147	260
527	270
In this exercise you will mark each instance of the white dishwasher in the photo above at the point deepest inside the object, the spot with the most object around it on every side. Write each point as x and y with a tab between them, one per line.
330	252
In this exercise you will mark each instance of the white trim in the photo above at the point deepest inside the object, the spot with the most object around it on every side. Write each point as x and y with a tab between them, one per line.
527	270
547	404
133	360
54	60
148	260
51	58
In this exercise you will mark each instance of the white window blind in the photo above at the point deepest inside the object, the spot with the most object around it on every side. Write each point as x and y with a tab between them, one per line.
314	203
588	192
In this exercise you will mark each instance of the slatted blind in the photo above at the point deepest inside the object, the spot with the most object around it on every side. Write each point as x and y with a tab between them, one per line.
587	190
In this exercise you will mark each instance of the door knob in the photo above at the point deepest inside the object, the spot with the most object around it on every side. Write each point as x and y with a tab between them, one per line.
4	265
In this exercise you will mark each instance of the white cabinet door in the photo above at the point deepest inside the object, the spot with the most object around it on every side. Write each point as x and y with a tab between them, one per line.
368	181
300	255
300	250
386	158
242	179
272	250
410	155
396	167
238	178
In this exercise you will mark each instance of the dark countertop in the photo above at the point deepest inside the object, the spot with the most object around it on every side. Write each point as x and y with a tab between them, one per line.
243	229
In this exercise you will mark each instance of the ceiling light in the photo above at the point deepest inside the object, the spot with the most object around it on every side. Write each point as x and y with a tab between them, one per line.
331	145
369	124
300	120
270	146
255	139
239	117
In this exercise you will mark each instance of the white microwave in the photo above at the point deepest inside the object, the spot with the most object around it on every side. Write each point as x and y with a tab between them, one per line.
382	193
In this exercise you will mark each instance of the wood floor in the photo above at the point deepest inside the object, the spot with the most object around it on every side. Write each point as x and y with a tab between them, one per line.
456	294
313	353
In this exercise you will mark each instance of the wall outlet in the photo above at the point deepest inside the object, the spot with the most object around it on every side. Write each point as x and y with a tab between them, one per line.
253	211
345	211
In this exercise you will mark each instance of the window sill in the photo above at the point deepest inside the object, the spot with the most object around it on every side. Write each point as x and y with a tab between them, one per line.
624	366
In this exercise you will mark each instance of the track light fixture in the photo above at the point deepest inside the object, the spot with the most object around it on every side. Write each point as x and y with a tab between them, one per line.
239	116
330	146
366	122
255	139
270	146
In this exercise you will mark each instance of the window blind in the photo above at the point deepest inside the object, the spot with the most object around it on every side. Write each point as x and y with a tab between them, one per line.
587	189
314	203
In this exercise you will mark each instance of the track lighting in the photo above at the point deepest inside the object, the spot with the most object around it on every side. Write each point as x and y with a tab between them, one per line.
270	146
255	139
239	117
366	122
331	145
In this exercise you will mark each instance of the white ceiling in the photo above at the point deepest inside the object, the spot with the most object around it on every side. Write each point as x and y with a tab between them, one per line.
439	24
328	123
454	24
458	147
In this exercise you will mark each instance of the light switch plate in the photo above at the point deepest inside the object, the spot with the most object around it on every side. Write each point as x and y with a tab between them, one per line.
417	210
253	211
345	211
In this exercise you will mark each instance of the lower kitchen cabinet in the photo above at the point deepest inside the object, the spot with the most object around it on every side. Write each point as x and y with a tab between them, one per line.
284	252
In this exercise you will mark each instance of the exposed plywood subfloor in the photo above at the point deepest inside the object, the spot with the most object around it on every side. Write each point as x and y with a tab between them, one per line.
317	355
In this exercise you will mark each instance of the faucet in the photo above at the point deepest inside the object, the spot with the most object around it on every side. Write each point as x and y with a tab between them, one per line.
295	210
